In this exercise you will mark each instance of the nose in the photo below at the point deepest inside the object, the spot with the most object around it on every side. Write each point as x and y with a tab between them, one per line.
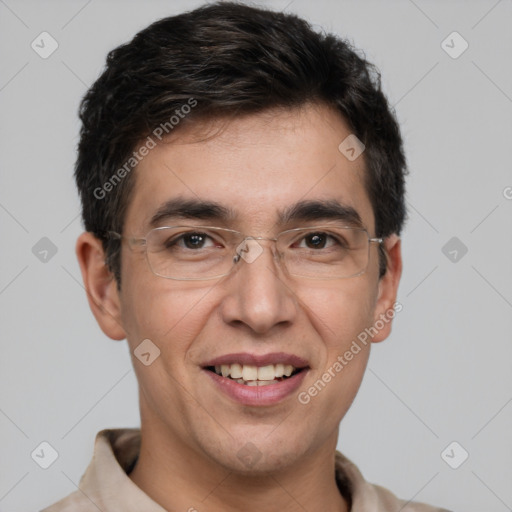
257	292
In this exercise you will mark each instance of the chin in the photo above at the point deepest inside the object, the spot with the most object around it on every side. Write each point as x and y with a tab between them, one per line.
256	455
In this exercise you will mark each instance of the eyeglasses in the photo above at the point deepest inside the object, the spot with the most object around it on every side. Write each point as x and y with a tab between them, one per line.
205	252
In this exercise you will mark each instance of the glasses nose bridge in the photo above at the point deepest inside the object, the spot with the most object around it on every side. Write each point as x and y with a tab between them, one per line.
250	237
273	247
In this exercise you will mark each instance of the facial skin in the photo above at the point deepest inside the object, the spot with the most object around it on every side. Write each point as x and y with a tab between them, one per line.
191	431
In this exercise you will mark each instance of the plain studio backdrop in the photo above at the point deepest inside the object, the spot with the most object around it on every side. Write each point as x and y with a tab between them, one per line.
433	417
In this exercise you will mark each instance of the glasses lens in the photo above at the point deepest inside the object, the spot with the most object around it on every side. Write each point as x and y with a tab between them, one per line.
199	252
325	252
189	252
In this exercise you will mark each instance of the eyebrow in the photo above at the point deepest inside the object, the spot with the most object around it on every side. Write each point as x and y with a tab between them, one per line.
180	208
303	211
315	210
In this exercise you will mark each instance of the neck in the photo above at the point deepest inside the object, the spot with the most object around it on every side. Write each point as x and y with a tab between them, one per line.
180	479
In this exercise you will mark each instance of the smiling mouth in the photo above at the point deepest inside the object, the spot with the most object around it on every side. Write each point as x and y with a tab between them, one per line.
251	375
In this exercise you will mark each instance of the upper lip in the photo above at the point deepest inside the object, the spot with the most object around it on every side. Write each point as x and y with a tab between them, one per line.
258	359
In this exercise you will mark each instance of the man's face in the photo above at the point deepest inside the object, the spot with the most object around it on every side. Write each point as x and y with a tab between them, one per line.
257	166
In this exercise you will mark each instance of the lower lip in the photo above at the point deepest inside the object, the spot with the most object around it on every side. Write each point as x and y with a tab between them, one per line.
258	395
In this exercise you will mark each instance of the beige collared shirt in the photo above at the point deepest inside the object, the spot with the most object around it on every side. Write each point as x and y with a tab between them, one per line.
106	487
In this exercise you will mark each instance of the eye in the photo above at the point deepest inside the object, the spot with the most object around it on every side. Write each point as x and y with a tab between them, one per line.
321	240
191	240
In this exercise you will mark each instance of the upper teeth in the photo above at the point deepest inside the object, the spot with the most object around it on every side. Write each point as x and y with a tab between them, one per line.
250	372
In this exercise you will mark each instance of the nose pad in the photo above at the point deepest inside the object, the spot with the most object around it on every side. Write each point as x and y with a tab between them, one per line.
250	249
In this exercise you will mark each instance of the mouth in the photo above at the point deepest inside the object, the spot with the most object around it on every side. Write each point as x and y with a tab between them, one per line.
257	380
251	375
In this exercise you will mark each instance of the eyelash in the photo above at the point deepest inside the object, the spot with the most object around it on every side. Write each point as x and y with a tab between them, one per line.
181	238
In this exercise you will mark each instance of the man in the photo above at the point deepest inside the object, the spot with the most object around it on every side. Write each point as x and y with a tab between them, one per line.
242	183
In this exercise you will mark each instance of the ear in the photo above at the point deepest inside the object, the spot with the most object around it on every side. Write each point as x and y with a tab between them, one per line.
100	285
388	288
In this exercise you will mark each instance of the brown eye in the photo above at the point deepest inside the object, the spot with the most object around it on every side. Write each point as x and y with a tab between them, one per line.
194	240
190	240
321	240
316	240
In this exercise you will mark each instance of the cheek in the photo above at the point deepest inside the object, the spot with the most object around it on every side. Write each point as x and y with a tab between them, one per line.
338	315
172	318
169	313
339	312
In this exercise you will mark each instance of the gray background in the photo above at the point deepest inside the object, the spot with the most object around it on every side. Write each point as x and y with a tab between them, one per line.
444	375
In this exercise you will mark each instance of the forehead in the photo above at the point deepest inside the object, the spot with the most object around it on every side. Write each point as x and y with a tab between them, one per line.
256	172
